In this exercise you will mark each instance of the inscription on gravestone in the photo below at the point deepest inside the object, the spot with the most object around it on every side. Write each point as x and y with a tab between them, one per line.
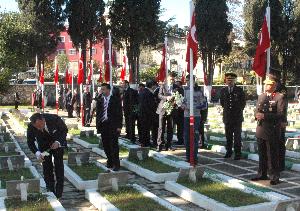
78	158
192	174
12	162
112	180
15	188
141	153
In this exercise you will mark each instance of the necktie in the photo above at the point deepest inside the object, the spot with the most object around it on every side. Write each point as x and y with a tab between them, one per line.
103	116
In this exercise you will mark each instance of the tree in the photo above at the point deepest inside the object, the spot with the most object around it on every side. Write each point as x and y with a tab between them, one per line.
46	17
135	24
63	62
213	32
14	42
4	79
284	32
86	22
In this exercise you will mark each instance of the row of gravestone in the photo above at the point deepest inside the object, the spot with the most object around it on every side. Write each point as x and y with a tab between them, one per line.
21	187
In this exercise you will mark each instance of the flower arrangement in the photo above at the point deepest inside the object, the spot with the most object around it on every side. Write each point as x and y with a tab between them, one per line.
175	100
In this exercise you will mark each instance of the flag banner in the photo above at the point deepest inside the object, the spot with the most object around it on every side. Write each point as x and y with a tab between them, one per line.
260	60
42	79
192	43
80	70
56	74
162	69
70	79
67	76
100	75
90	74
123	71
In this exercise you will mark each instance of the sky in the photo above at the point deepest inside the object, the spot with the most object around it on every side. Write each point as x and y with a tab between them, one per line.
179	9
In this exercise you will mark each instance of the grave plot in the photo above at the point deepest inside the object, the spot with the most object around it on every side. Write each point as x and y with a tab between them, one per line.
115	194
149	167
72	132
214	191
87	139
123	151
82	173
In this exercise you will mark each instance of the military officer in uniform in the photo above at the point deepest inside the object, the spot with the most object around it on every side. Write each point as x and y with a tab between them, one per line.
232	99
275	75
269	115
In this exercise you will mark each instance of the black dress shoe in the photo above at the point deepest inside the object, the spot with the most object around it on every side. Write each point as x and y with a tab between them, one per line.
228	155
274	182
260	178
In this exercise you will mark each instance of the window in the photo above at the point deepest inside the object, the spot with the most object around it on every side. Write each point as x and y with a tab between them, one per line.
61	39
72	51
94	51
61	51
70	40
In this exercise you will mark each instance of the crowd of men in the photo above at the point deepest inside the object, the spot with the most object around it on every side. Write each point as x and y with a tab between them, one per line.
145	107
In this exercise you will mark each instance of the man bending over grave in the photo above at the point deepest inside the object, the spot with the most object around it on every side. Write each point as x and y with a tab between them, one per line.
49	132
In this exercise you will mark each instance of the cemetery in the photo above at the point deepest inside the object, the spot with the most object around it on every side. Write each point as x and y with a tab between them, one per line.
204	186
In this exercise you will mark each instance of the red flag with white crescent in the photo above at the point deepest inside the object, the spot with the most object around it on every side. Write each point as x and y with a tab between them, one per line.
80	71
192	43
42	80
67	76
260	61
90	73
123	71
56	74
162	69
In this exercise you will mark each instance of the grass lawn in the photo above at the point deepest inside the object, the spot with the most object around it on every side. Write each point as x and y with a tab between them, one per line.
123	151
74	131
34	203
8	153
88	171
154	165
222	193
6	175
174	158
91	139
129	199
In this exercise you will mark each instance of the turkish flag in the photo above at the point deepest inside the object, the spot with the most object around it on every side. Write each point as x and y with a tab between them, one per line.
42	80
90	73
80	75
70	78
67	77
183	77
260	61
123	71
106	58
192	43
100	75
162	69
56	74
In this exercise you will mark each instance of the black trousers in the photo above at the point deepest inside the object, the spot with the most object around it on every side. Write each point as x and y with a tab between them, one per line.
59	171
165	120
178	119
87	116
201	131
233	132
282	149
268	158
130	119
145	125
70	110
110	145
154	129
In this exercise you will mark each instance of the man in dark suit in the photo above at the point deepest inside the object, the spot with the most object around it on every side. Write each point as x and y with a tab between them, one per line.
50	132
109	124
69	106
76	103
87	102
130	103
155	124
146	113
232	99
269	115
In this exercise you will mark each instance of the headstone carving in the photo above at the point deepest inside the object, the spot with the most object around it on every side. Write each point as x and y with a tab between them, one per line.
112	180
192	174
78	158
141	153
20	189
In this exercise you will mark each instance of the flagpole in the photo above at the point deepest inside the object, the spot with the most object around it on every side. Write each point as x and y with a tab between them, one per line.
56	94
43	101
269	27
72	83
166	58
36	71
192	159
109	56
92	76
81	92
